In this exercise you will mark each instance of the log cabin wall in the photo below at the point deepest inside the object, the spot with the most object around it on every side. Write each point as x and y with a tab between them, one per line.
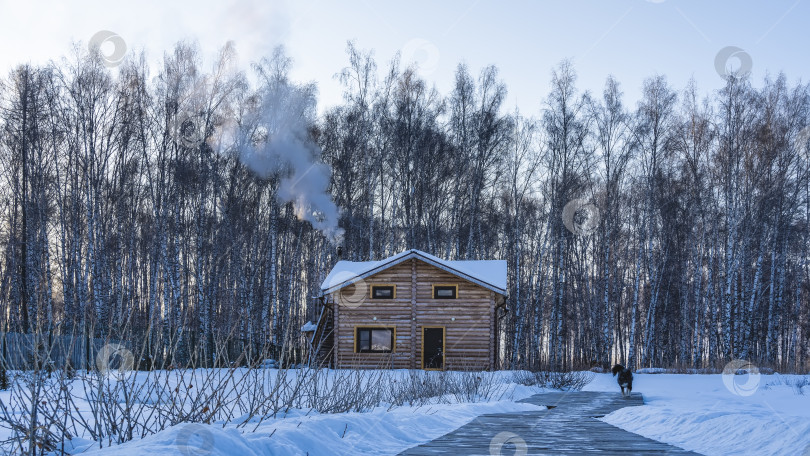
388	313
468	320
467	338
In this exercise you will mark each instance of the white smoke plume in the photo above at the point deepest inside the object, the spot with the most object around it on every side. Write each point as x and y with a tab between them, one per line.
278	142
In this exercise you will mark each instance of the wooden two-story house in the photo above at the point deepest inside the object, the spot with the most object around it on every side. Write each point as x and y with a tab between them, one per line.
410	311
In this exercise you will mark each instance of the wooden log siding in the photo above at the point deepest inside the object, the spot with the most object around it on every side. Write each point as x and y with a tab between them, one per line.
492	330
468	320
413	313
389	312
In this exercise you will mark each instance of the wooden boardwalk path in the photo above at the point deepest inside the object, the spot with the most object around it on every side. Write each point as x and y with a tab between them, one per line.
569	426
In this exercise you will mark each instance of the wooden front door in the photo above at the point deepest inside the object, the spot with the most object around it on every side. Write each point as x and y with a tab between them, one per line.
433	348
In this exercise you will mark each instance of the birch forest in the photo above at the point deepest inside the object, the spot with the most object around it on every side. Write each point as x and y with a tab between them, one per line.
193	206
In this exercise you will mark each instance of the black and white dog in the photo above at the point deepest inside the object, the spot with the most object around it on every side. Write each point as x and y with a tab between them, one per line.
625	379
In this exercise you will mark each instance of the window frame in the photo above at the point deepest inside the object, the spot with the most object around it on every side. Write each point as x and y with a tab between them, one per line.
372	286
371	328
444	285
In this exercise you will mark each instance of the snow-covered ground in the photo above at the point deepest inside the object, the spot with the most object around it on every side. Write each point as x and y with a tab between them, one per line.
716	414
709	414
383	430
297	427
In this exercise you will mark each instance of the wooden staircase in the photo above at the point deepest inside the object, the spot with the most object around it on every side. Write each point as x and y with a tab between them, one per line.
322	343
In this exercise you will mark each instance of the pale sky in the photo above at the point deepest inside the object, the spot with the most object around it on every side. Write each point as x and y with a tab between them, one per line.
631	39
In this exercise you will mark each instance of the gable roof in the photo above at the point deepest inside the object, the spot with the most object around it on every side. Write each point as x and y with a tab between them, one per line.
490	274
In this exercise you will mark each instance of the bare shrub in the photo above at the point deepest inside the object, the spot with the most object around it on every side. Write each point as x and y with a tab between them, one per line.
347	391
570	380
4	381
417	388
469	386
798	383
526	378
575	380
425	387
110	403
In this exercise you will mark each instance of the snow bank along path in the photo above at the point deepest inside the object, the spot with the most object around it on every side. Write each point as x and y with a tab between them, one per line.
376	432
713	415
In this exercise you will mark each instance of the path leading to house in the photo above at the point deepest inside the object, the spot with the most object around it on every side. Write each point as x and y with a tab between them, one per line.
569	426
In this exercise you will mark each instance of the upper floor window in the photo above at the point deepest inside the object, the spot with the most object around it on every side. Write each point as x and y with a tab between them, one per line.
445	291
383	291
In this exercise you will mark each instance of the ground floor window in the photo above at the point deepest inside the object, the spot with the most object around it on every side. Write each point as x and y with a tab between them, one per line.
374	340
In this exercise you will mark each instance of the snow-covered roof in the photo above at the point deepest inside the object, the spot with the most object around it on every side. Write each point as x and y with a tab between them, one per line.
490	274
309	326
